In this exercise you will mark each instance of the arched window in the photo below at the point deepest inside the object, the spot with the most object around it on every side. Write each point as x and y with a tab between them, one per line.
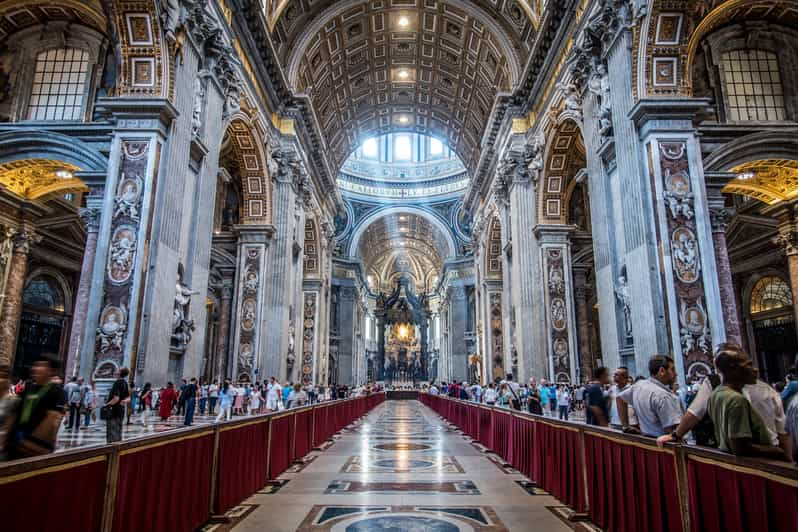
753	86
44	293
770	293
59	84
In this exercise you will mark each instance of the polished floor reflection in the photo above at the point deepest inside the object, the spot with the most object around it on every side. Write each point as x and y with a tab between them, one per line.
399	469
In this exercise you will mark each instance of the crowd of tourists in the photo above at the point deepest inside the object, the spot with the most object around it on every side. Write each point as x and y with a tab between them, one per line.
731	410
32	412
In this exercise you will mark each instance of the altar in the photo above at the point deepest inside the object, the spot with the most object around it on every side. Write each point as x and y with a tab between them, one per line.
402	325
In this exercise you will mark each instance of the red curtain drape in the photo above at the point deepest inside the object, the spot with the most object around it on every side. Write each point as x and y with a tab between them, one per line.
165	486
486	427
631	487
70	497
523	436
241	469
731	499
280	444
320	425
304	428
557	464
501	433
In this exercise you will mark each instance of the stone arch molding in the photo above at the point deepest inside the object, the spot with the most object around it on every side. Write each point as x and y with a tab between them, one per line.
669	37
361	227
565	142
256	185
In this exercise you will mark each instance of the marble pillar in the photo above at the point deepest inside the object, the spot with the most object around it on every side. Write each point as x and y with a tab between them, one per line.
719	217
555	257
15	286
248	336
223	332
91	218
525	275
689	283
787	215
582	323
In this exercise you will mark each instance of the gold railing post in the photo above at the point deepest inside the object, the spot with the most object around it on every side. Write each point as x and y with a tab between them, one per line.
214	467
111	478
683	485
583	455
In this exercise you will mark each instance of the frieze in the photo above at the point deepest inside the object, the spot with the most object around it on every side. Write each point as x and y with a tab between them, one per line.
248	312
123	248
554	266
308	337
694	331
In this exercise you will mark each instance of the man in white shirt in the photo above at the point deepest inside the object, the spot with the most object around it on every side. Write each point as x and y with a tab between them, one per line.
433	390
213	396
490	394
274	395
658	409
622	382
476	393
767	403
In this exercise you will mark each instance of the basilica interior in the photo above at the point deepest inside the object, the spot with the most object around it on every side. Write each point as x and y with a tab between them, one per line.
402	192
242	189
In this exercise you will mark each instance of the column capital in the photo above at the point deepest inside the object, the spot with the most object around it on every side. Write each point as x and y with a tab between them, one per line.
787	215
24	239
90	216
719	218
258	233
522	162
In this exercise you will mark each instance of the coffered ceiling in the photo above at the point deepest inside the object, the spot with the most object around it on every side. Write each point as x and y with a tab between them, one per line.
431	66
402	243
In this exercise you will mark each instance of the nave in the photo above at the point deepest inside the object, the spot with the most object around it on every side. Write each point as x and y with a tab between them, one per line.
399	468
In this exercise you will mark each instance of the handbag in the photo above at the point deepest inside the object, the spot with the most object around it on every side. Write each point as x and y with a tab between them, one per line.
106	412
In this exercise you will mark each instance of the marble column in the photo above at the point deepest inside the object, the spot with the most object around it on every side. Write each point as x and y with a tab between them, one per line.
91	218
787	215
525	276
719	218
223	332
582	322
15	286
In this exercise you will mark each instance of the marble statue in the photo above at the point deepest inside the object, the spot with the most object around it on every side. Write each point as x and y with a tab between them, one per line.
182	324
599	84
127	202
625	299
112	328
199	99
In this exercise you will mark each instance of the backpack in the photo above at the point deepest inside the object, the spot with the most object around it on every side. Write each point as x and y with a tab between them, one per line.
704	432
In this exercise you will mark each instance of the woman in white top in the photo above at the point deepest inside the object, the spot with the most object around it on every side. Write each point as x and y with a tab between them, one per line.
490	394
254	402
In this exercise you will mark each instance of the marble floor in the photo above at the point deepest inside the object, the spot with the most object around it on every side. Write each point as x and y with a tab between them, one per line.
401	468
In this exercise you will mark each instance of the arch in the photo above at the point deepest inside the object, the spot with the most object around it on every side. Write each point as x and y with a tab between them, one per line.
311	249
672	33
564	159
770	293
493	257
21	145
770	181
442	94
361	227
757	146
255	182
60	280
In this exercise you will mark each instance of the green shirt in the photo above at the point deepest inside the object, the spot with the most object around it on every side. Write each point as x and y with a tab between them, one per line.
733	417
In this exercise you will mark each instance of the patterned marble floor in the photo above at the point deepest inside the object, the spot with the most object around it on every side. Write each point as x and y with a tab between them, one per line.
399	469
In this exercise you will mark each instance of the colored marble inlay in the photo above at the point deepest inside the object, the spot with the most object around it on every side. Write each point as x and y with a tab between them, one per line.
377	464
402	446
462	487
401	518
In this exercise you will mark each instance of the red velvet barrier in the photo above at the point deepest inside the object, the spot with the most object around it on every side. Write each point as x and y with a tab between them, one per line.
631	486
502	433
523	437
320	425
485	427
241	471
281	444
728	498
61	497
303	429
557	463
472	421
165	486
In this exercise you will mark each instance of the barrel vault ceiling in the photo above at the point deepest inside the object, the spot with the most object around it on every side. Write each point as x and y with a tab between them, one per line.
430	66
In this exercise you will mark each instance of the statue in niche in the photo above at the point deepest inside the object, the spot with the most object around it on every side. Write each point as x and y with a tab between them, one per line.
182	324
625	299
536	164
678	195
199	99
123	252
291	356
694	330
599	84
